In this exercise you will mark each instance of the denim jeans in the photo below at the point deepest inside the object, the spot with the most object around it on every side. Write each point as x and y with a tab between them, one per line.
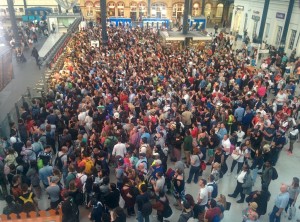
194	171
273	217
141	218
254	175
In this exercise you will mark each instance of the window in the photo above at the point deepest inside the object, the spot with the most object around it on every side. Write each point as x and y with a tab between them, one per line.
121	9
207	10
55	10
178	10
219	12
267	30
278	36
292	39
21	10
196	9
159	10
89	6
111	9
142	10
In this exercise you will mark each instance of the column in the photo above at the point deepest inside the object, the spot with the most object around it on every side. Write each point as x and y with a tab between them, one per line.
185	24
191	8
263	21
103	22
286	25
25	3
12	16
148	9
225	12
203	7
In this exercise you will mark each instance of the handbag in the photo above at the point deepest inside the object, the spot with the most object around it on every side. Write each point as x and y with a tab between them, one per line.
292	212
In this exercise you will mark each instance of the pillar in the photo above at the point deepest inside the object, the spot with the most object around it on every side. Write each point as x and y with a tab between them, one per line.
263	21
25	3
203	7
12	16
149	7
225	12
286	25
191	8
103	22
185	25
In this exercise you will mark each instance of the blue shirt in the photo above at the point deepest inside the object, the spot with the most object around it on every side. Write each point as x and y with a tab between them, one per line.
282	200
44	173
239	113
222	132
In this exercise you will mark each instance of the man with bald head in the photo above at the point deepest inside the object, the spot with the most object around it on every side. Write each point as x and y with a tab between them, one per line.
281	202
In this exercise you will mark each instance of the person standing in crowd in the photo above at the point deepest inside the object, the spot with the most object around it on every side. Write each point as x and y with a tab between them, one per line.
213	213
188	147
293	136
293	190
202	198
53	190
195	166
281	202
244	184
141	200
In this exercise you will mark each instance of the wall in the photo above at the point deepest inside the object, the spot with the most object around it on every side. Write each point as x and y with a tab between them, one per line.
273	21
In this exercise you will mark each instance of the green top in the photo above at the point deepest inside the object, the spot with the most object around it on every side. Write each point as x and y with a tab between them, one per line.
188	143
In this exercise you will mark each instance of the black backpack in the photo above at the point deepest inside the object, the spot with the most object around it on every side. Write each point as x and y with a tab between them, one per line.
167	209
214	193
146	209
274	173
58	161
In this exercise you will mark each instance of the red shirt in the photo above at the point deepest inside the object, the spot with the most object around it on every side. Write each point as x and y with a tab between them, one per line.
211	213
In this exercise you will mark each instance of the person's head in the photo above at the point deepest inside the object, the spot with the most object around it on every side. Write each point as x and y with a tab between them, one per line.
295	182
159	174
245	167
24	187
119	212
283	188
211	178
268	164
212	203
143	188
253	206
71	168
196	151
189	198
202	182
113	186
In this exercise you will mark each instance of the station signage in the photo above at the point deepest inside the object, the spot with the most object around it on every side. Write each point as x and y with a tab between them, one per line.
280	15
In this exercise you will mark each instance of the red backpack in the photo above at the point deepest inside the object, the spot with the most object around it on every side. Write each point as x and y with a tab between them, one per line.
78	182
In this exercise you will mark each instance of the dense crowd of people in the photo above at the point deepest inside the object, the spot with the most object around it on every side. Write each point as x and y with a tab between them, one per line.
120	123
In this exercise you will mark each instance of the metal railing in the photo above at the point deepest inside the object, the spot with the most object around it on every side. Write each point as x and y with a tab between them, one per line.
54	62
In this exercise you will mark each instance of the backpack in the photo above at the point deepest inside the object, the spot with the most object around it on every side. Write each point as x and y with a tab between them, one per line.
89	164
214	193
28	204
216	218
167	209
78	182
35	111
274	173
58	161
146	209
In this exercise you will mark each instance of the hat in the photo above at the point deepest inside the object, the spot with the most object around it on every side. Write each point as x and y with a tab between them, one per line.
253	206
54	179
13	139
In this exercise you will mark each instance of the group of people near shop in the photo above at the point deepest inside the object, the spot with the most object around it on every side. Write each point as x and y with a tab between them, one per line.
126	127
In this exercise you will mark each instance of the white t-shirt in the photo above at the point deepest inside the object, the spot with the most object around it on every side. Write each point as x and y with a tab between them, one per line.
240	135
226	145
242	154
119	150
241	176
203	193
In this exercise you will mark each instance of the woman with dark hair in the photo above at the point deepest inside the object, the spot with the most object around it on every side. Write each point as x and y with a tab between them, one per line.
179	191
118	215
196	208
195	165
293	190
